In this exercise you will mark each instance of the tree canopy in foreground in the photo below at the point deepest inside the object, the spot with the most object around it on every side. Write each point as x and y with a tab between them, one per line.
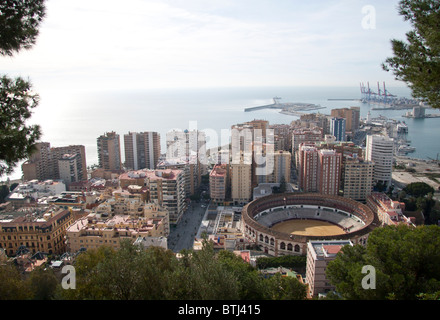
406	261
417	61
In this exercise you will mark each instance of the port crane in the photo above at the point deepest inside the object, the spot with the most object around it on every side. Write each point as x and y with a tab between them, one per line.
379	96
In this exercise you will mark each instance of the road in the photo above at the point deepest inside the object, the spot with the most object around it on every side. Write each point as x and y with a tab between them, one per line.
182	235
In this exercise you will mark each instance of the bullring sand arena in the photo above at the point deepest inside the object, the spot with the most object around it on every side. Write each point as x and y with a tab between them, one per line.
281	224
308	228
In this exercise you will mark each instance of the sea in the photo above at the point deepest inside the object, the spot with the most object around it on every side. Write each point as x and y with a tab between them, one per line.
72	117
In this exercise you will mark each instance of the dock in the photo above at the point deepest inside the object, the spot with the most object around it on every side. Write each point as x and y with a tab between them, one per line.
287	108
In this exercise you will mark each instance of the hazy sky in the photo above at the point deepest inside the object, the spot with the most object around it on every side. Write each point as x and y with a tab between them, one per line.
108	44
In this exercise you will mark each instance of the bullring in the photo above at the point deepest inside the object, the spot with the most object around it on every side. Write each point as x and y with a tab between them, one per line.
270	222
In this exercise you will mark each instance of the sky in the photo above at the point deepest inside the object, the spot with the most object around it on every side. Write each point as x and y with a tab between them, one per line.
135	44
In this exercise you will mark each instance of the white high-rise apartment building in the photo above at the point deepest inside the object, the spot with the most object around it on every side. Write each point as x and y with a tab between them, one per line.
188	145
379	150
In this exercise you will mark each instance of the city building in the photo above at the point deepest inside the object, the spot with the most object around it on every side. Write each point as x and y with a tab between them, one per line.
219	183
379	150
186	144
242	138
37	166
68	168
314	121
96	230
351	115
37	229
167	188
58	153
276	167
282	166
308	162
142	150
35	189
282	136
307	136
358	178
389	212
329	171
319	170
337	128
109	151
319	254
191	170
43	164
241	180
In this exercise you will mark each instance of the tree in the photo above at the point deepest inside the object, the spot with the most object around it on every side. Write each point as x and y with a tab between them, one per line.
19	24
12	287
418	189
417	62
43	284
17	140
406	261
285	288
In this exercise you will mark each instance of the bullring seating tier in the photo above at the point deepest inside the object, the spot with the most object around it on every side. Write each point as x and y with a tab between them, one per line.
343	219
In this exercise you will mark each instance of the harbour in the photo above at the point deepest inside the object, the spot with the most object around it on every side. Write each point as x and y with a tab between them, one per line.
289	108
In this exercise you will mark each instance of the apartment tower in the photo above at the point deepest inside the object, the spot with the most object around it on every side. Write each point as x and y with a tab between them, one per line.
329	172
142	150
109	151
379	150
358	181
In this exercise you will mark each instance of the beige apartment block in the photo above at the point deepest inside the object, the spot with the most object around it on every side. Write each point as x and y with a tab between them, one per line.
109	151
38	229
358	179
241	181
167	187
96	230
319	254
351	116
219	183
43	164
192	170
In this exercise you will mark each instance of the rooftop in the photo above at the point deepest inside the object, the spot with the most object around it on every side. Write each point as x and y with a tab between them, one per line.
165	174
325	249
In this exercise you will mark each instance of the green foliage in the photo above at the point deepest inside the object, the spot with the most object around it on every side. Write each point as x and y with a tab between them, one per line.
17	140
19	23
406	260
418	189
12	287
43	284
132	273
155	273
291	262
417	62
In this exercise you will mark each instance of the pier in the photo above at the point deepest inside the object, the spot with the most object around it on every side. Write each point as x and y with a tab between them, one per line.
287	108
